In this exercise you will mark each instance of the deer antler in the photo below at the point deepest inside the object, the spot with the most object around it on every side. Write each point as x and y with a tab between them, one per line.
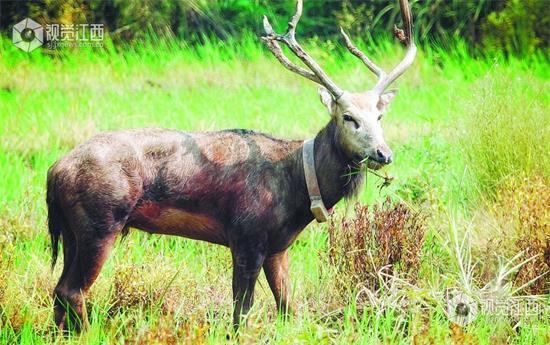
315	73
405	36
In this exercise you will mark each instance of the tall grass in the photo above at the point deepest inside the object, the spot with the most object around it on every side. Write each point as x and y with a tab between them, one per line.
508	141
166	289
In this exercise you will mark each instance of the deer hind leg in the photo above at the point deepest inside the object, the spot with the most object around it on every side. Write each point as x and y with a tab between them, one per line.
69	256
93	245
69	247
276	272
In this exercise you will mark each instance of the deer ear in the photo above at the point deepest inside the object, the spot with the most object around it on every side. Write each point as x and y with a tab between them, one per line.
385	99
326	99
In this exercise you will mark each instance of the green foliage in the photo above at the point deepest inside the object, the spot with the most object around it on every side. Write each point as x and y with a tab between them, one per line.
521	27
513	26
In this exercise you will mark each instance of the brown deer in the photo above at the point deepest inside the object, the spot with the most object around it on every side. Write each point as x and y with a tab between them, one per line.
238	188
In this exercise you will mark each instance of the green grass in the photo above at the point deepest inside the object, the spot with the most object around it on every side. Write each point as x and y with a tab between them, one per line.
525	125
160	288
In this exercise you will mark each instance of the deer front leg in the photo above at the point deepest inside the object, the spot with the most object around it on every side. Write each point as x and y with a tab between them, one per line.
276	272
246	268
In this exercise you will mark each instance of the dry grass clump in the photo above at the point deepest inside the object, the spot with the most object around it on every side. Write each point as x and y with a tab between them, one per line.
3	286
387	237
129	288
526	203
5	265
167	330
517	225
145	287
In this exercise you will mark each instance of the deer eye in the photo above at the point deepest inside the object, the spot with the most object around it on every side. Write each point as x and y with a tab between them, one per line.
379	117
351	119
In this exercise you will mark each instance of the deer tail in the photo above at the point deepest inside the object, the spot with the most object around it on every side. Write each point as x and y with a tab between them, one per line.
55	218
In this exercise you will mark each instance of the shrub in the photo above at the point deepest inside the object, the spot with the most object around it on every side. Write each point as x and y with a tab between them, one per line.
527	205
387	237
521	27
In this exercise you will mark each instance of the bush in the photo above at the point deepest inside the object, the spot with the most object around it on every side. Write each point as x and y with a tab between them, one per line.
527	205
521	27
385	237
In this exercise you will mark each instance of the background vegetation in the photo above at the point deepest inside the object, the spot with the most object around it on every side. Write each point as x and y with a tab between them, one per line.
468	209
514	26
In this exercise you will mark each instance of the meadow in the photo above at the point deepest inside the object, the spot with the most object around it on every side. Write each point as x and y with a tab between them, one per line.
470	134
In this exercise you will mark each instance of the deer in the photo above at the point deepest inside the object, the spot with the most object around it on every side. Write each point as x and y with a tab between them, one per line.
241	189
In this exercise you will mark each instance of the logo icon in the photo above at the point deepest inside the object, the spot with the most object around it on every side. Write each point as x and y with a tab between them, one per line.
28	35
461	309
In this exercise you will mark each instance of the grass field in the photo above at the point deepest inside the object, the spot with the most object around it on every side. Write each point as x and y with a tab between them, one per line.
471	140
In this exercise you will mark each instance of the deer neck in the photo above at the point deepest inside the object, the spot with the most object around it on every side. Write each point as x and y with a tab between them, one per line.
338	176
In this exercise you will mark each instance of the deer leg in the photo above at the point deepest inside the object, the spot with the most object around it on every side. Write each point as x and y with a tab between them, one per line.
69	249
91	253
247	264
69	256
276	272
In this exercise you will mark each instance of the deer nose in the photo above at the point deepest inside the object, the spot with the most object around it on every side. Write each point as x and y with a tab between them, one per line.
384	155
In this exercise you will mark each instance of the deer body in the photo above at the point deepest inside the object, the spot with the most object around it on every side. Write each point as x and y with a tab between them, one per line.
237	188
241	189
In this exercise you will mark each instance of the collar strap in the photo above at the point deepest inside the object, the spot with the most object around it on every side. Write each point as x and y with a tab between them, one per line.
317	207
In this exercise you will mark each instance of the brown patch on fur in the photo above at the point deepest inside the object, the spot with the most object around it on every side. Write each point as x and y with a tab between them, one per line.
273	149
223	148
266	196
172	221
276	272
148	210
159	150
182	167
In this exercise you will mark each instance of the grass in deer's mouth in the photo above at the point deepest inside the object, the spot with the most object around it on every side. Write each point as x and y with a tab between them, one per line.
371	164
49	106
371	167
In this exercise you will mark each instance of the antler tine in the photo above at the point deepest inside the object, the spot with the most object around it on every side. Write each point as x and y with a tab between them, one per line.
384	80
355	51
316	73
274	47
411	49
295	18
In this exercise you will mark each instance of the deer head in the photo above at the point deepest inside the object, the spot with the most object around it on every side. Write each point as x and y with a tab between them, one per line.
357	115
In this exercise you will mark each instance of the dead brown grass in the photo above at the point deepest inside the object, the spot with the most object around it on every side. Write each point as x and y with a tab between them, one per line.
130	289
167	330
518	221
527	204
387	237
